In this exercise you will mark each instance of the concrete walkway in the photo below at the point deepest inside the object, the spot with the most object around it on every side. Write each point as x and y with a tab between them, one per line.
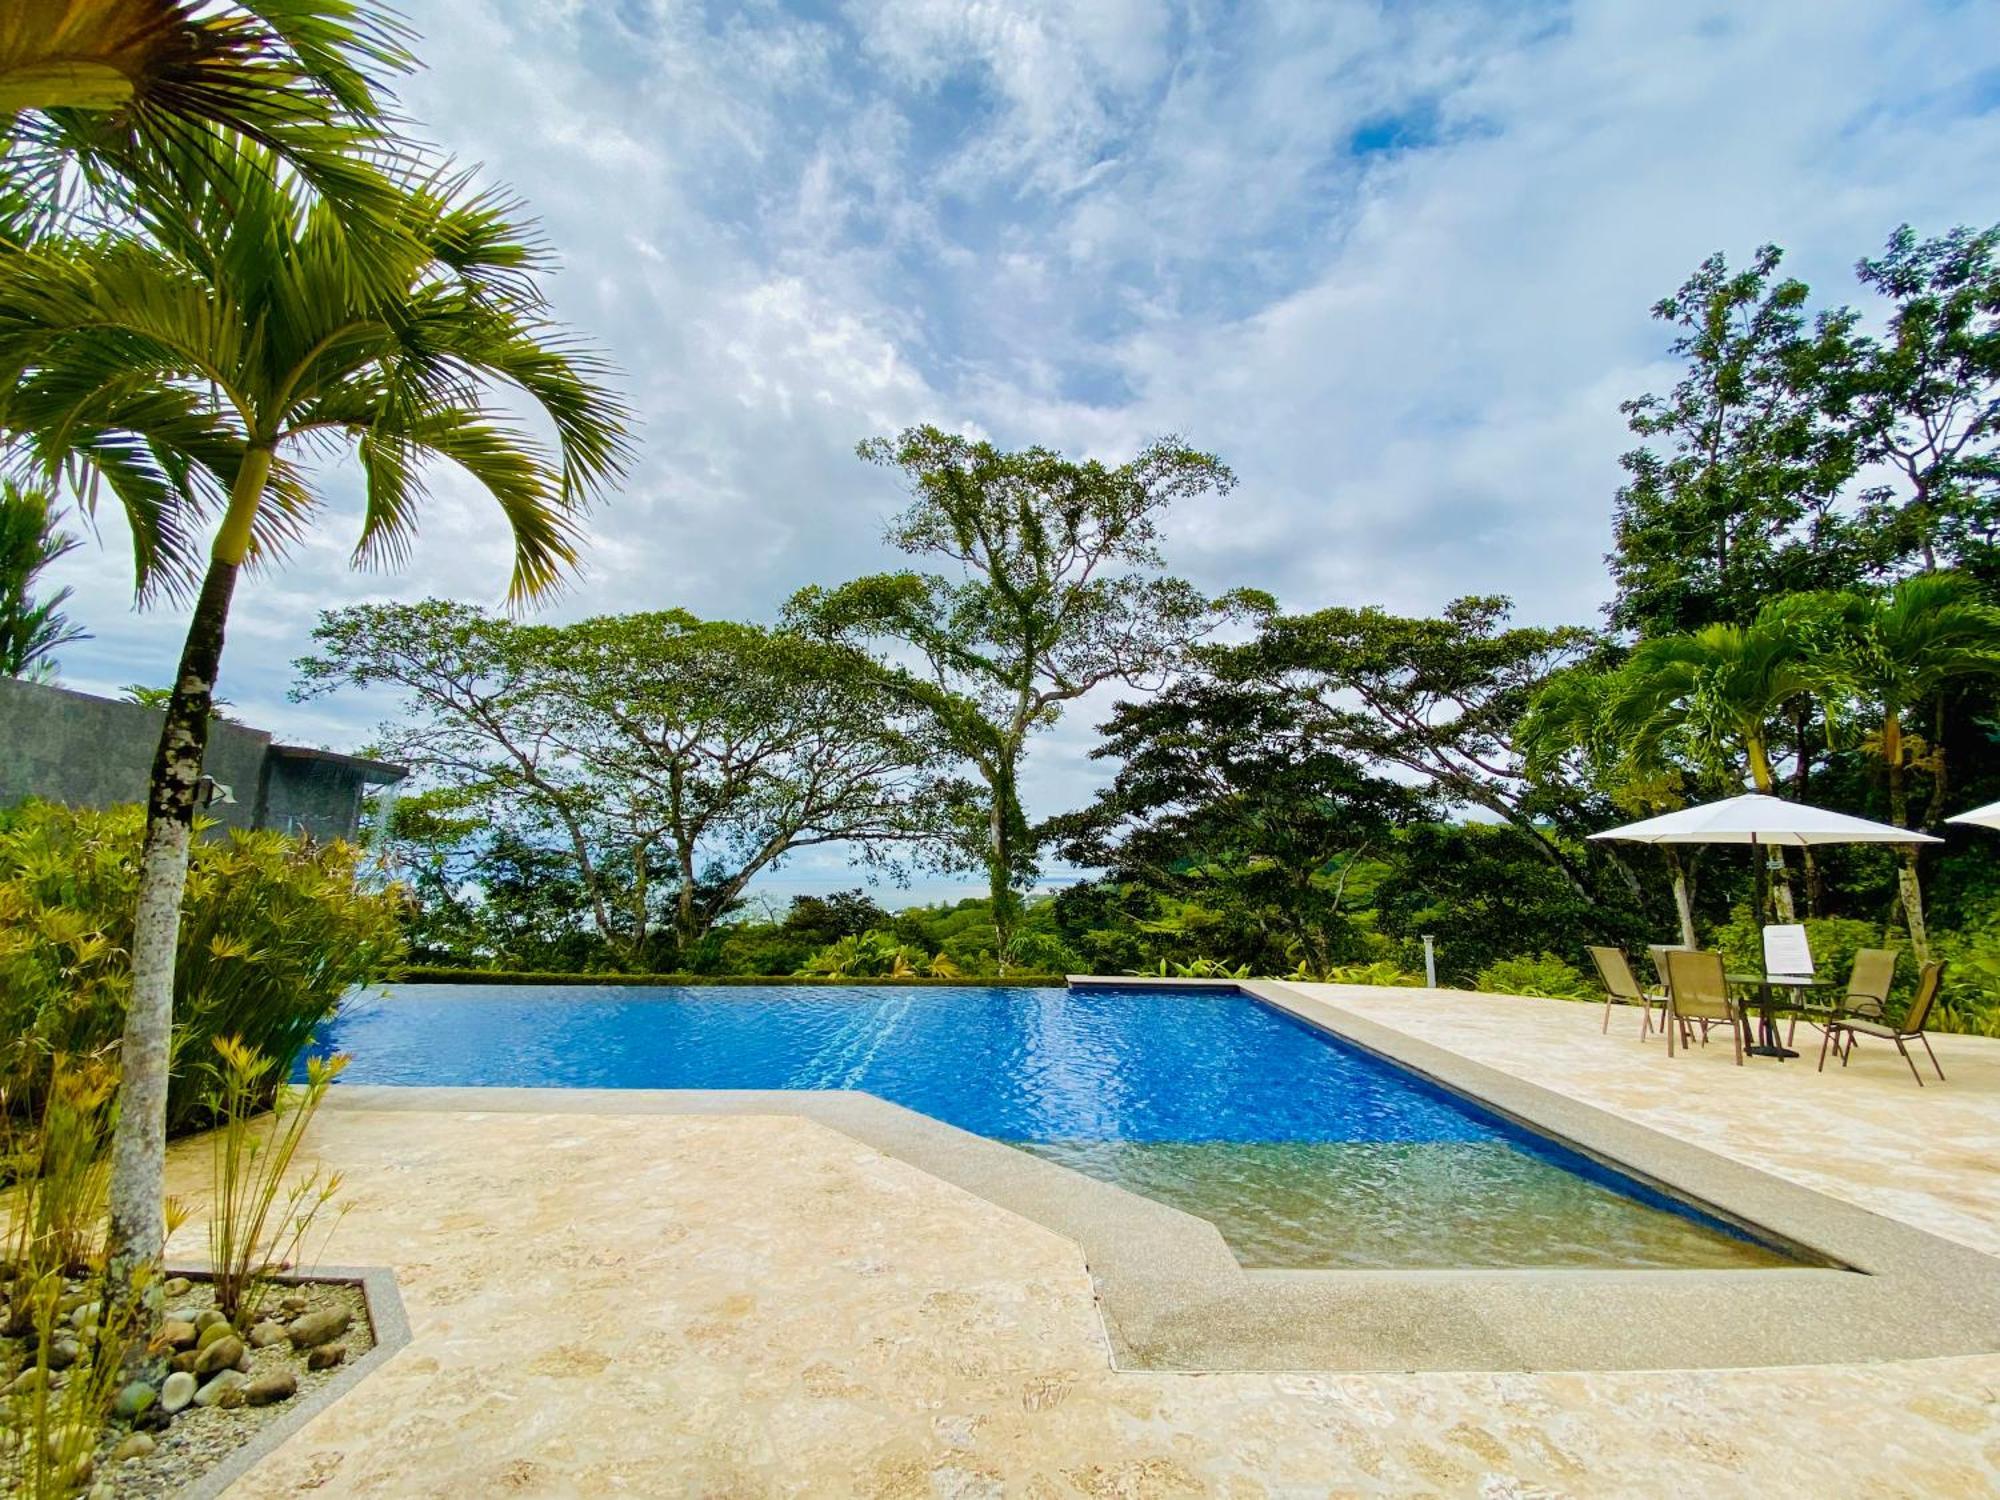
615	1304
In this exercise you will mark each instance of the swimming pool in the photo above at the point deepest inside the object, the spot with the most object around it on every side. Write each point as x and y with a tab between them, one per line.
1302	1150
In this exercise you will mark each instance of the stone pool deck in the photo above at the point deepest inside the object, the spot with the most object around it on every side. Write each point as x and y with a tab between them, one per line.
632	1304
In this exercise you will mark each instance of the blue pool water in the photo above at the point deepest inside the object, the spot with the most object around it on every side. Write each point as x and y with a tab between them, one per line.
1303	1150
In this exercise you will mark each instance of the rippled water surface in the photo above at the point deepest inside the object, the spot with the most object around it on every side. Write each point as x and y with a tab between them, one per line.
1302	1151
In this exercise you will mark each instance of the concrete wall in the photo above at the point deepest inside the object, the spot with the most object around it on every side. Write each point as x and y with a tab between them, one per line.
88	751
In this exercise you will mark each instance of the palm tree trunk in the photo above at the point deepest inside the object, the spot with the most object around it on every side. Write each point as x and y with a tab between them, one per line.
137	1233
1683	894
1909	885
1766	782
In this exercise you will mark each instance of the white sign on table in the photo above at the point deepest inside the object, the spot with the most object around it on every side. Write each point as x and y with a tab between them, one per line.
1786	952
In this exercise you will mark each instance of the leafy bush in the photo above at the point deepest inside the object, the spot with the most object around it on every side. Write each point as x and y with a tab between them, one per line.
878	955
1196	968
1383	971
1970	1000
1834	942
1544	975
274	930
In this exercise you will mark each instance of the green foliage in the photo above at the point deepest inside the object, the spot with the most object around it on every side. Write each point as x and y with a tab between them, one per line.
1382	971
1195	968
609	788
274	930
433	975
1833	940
32	627
877	955
1544	975
262	1213
57	1164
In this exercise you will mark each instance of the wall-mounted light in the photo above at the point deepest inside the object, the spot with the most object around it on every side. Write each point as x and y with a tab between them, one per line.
208	792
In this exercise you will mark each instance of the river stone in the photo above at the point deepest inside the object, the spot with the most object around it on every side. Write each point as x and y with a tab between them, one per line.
270	1388
220	1355
214	1333
26	1383
326	1356
133	1399
63	1353
138	1445
176	1286
178	1335
214	1393
183	1360
178	1391
318	1328
207	1318
292	1306
267	1333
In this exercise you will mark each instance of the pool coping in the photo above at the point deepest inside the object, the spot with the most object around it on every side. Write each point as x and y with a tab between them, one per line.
1172	1295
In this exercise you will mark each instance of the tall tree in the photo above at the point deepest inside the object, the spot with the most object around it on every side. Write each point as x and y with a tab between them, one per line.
1730	499
1225	795
187	372
670	760
1438	698
1925	400
32	627
1898	653
1056	592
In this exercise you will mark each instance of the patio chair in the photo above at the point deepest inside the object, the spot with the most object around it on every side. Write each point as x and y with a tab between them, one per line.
1621	985
1867	992
1698	994
1910	1029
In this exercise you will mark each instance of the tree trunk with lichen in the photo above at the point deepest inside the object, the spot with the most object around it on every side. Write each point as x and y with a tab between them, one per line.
136	1239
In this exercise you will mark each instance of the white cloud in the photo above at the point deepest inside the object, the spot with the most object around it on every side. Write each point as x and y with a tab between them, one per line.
1393	262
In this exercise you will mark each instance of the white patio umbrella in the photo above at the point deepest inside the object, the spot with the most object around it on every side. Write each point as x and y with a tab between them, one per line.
1757	819
1980	817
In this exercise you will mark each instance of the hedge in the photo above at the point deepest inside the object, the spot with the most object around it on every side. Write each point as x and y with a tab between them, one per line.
431	974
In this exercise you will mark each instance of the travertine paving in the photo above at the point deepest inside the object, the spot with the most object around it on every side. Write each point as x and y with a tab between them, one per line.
744	1306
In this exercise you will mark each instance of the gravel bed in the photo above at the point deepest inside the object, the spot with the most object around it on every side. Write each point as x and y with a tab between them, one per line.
199	1437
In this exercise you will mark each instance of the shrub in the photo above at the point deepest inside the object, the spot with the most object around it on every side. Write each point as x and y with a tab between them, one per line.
877	955
1383	971
274	931
1544	975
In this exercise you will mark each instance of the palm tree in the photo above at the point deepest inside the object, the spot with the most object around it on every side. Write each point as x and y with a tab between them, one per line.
1899	651
32	627
1714	692
102	100
186	373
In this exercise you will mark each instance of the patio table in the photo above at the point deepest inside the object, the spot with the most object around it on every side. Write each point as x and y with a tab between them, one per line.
1768	1006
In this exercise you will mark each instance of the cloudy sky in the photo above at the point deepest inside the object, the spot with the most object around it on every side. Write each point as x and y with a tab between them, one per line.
1392	261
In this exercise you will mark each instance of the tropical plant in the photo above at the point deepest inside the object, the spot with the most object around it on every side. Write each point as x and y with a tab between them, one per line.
112	103
32	627
275	930
189	371
1711	696
1545	976
1033	616
1897	654
871	955
1381	971
262	1213
80	1328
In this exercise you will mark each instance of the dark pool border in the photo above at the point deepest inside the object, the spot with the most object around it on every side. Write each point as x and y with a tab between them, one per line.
1173	1297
